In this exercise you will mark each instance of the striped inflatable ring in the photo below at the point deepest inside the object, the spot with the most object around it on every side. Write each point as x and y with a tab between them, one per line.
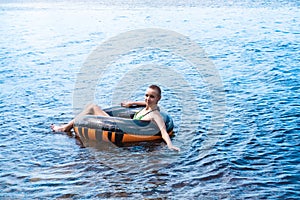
120	128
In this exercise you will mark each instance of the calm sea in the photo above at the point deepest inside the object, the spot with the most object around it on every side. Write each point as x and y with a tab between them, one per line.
247	150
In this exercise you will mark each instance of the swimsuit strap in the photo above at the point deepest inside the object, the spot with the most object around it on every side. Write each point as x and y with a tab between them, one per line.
140	117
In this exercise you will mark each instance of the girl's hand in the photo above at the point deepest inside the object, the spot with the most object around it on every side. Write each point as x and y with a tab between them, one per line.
171	147
126	104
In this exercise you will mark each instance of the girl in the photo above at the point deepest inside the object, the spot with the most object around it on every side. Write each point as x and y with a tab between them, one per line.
150	112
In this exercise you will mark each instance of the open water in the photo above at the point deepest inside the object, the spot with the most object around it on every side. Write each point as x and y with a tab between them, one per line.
255	47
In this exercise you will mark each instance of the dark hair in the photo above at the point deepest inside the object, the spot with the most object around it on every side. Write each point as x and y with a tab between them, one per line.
155	87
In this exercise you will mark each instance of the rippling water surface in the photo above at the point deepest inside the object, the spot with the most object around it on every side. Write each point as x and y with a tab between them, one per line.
254	46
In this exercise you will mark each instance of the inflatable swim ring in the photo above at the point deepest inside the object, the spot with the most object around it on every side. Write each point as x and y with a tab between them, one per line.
120	128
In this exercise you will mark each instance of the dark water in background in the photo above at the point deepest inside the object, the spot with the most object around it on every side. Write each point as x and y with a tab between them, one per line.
254	45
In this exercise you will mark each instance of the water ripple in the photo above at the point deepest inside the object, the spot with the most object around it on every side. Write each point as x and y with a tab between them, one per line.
255	156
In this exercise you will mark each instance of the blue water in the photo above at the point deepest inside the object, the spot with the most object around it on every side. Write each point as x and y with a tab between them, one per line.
254	45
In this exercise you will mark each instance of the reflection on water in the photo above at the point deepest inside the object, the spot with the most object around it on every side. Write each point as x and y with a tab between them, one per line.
255	48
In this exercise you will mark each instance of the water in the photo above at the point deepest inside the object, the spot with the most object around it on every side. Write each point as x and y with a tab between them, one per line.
255	48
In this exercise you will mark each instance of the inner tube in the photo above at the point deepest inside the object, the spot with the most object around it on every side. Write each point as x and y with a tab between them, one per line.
119	128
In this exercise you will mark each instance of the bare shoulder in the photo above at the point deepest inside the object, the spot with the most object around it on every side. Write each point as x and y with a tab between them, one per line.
156	115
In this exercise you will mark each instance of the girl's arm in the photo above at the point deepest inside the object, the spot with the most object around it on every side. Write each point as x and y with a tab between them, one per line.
133	103
162	127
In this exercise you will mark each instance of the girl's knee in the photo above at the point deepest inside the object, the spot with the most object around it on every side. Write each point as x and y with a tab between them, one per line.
90	106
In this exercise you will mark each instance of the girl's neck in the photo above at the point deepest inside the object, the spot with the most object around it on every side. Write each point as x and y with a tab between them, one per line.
152	107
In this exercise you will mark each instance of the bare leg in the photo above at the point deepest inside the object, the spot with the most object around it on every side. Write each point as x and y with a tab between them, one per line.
91	109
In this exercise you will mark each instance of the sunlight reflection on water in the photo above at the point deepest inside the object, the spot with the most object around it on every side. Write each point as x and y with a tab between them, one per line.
255	49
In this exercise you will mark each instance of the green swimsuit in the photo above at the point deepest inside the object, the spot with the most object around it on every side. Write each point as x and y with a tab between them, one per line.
140	117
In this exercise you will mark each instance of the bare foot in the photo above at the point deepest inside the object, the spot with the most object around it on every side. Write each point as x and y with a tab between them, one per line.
55	128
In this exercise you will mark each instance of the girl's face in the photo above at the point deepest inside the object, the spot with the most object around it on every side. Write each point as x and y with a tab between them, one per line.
151	97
